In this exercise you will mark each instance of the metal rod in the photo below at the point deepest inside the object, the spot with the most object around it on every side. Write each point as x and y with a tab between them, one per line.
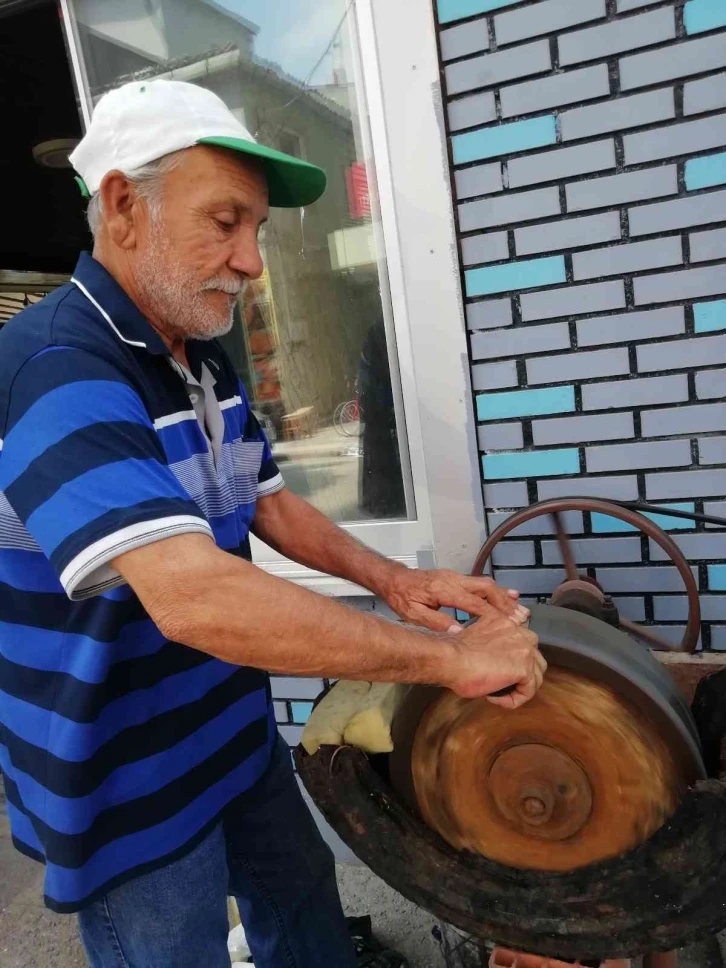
642	507
563	541
643	632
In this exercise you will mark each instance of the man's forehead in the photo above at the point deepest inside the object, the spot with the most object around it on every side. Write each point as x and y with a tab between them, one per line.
221	169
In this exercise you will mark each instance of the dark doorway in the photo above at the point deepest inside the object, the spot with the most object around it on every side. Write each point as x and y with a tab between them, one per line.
43	226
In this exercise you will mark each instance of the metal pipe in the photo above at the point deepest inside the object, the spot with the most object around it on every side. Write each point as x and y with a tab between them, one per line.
568	559
643	632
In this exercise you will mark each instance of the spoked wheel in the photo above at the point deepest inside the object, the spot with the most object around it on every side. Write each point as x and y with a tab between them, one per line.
591	767
582	587
347	419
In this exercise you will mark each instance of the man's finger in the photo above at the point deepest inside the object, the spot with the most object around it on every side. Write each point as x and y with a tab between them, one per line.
526	690
431	619
523	692
484	585
538	678
521	615
481	607
505	599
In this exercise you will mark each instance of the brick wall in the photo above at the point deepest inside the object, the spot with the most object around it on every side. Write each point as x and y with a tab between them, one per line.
587	142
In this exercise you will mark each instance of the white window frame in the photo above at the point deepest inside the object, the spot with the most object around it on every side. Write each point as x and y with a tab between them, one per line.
400	69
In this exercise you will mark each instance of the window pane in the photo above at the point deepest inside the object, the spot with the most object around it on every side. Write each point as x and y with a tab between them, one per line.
312	339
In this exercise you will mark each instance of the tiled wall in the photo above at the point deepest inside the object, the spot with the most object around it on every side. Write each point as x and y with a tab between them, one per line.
588	148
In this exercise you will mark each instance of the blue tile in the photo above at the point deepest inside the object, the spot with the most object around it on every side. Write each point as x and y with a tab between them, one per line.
700	15
533	463
458	9
709	317
516	275
706	172
604	524
525	403
717	578
504	139
301	711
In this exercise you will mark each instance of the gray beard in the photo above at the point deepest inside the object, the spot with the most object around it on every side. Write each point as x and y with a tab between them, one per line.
169	294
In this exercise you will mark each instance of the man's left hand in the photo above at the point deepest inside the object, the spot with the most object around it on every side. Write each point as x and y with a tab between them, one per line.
418	595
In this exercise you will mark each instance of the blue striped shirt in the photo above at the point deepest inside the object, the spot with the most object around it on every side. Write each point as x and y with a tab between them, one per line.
119	748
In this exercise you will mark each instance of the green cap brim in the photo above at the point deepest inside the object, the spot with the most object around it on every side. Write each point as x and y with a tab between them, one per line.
292	182
82	185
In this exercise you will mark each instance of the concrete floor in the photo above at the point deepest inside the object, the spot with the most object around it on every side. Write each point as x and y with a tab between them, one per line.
33	937
397	922
30	935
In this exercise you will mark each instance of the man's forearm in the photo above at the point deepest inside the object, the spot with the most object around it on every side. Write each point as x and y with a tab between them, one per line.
299	531
227	607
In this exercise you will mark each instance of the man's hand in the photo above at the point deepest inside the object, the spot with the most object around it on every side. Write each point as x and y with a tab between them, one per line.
494	654
296	529
418	595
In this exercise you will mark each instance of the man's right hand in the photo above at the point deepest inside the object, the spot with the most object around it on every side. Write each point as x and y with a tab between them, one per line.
495	653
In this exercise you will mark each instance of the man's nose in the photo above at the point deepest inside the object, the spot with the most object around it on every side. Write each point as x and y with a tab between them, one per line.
246	258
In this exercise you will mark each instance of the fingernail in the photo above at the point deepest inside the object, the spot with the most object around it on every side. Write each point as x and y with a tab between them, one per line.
454	629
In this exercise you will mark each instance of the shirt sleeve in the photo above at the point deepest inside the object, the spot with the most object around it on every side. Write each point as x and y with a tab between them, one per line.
84	470
269	478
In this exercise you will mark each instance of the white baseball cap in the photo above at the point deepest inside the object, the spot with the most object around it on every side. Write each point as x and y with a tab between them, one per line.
141	122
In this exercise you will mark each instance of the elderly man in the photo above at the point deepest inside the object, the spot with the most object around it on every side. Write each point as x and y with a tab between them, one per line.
141	759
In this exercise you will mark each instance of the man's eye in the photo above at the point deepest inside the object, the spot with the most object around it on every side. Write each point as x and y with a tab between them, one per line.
225	225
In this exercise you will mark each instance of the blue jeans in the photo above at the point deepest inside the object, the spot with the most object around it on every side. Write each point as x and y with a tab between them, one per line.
266	852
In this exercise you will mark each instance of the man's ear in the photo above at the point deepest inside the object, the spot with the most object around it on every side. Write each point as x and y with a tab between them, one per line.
118	197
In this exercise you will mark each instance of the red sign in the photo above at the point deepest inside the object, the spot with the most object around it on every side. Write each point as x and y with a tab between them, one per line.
359	199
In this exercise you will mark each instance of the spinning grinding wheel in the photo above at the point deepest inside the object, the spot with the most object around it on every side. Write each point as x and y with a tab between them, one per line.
587	770
575	777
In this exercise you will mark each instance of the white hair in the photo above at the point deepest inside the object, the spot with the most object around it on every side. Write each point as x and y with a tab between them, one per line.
148	181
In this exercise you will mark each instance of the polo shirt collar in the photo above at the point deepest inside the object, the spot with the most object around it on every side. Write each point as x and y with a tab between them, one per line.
116	307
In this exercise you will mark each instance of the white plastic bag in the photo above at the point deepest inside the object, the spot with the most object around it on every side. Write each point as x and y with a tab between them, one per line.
237	945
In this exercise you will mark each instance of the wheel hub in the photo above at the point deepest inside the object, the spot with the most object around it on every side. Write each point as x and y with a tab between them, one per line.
540	790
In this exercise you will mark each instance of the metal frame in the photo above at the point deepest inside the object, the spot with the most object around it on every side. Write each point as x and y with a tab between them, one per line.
400	68
403	74
80	78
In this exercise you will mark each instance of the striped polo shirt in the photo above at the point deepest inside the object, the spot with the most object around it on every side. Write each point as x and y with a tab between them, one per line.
119	748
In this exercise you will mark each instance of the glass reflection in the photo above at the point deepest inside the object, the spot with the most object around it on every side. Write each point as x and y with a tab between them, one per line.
309	340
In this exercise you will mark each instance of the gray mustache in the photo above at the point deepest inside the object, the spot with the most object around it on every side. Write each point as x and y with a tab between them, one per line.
229	286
